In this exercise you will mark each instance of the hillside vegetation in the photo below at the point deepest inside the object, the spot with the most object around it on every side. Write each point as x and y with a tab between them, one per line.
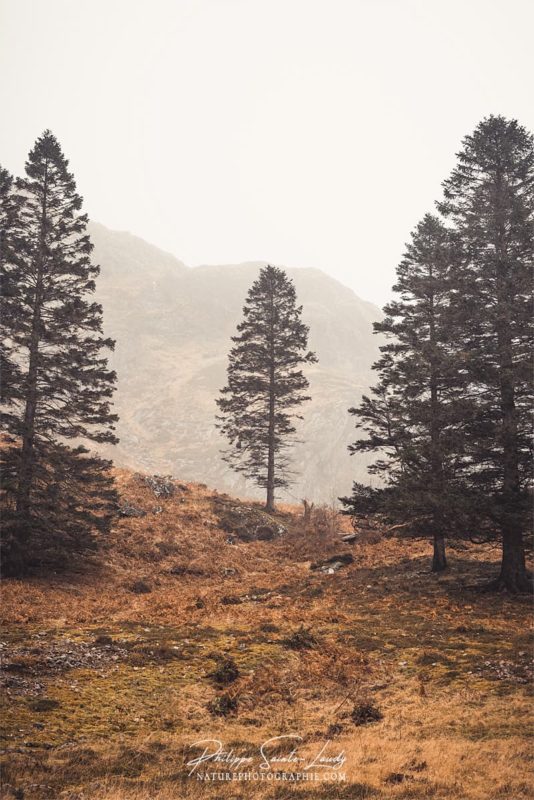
183	628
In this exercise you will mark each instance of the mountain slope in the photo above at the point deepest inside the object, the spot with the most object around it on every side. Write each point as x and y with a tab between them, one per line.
173	326
111	672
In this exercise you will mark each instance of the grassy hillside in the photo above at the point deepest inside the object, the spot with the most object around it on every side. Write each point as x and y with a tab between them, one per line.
181	631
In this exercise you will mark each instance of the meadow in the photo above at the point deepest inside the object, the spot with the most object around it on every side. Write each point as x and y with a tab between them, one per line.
177	630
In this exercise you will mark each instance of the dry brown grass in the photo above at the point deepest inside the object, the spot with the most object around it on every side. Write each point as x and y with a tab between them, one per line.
446	666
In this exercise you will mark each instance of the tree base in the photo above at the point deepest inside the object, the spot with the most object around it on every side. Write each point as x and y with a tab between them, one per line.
439	559
510	584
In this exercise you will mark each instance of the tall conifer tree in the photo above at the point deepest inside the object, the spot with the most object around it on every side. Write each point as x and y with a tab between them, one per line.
413	418
489	198
265	382
63	387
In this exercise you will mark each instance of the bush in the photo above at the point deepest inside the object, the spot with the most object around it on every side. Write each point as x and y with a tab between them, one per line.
365	713
303	639
225	672
140	587
223	706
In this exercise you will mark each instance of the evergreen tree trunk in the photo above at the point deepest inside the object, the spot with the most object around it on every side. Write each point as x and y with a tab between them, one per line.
513	575
439	559
269	505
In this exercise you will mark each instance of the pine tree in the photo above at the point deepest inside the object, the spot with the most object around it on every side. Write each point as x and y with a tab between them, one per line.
265	382
489	198
413	418
9	210
57	495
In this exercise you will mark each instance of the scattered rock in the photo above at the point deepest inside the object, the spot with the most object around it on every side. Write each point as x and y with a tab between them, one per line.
128	510
333	564
512	671
161	485
227	572
56	657
258	595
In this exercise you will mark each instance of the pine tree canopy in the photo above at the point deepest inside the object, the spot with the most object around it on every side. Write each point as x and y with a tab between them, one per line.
412	418
450	417
266	384
62	387
489	198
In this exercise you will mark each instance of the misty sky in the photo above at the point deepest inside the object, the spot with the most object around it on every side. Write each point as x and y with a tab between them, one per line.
303	132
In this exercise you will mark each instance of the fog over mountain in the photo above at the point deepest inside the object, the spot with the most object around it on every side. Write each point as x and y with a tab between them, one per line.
173	326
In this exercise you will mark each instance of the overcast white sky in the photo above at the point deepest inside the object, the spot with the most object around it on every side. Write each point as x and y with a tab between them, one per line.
303	132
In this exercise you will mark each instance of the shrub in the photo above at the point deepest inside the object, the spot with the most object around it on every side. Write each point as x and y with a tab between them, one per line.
365	713
223	706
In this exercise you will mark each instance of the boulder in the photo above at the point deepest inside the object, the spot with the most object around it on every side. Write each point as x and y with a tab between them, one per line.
127	510
245	523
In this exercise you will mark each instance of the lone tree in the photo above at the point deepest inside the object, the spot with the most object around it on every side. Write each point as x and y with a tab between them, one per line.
489	198
61	389
414	415
265	382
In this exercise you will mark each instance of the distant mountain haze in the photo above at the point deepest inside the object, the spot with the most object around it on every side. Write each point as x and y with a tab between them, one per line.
173	326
